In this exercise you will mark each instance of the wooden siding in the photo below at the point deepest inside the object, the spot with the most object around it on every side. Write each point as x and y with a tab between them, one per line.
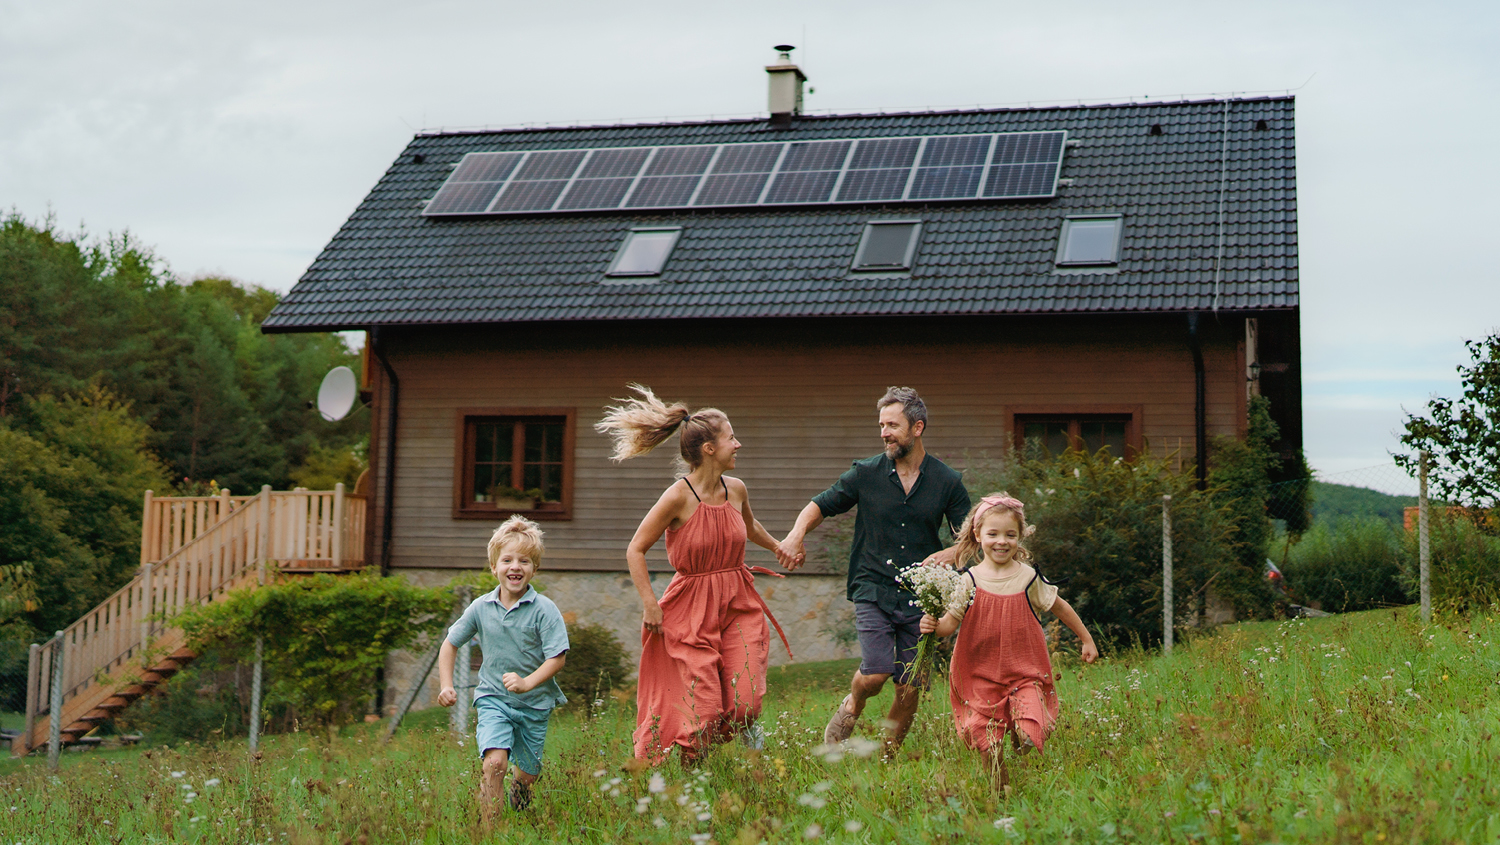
801	397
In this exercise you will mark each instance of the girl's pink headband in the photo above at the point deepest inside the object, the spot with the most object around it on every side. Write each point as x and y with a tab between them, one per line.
1007	502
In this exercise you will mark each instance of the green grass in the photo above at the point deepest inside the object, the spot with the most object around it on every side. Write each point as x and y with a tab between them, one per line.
1359	728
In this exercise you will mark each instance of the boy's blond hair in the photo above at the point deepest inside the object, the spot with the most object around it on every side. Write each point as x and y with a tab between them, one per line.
517	531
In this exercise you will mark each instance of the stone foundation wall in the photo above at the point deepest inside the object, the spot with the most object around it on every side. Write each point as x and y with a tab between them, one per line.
807	606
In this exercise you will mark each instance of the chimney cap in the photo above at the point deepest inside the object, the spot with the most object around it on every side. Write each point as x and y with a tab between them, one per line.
784	48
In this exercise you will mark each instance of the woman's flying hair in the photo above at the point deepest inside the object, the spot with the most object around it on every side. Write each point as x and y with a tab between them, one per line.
641	424
520	532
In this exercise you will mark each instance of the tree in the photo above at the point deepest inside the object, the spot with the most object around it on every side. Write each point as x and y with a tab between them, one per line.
1461	435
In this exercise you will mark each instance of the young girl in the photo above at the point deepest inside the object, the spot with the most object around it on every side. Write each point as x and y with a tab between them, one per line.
1000	683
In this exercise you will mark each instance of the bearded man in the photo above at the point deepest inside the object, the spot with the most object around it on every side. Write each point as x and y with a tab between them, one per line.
903	494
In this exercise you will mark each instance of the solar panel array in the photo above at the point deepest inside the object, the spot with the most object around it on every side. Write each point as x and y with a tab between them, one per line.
913	169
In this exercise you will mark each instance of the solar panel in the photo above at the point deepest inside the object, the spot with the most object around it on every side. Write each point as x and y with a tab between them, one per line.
907	169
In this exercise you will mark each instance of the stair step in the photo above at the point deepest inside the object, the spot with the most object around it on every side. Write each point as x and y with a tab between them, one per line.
119	701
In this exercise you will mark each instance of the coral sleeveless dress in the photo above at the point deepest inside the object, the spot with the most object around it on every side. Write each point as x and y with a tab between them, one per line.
702	678
1001	676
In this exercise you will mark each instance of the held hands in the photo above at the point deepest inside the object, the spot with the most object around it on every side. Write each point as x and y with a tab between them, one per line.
790	553
447	697
651	618
515	683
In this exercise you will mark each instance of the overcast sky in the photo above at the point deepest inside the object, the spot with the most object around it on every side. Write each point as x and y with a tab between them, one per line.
236	139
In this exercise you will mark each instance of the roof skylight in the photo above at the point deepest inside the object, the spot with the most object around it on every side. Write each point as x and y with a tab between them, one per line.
1092	240
644	252
888	245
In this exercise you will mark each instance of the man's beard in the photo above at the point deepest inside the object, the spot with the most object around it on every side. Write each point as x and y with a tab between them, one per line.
898	450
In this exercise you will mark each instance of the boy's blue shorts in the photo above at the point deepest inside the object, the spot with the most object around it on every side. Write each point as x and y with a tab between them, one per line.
520	730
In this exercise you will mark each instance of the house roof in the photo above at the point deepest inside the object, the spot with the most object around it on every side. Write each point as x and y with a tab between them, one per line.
391	266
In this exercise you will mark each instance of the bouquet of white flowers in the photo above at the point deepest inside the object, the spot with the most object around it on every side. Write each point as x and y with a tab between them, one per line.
939	589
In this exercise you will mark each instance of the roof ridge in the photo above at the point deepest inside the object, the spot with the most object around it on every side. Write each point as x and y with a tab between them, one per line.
760	118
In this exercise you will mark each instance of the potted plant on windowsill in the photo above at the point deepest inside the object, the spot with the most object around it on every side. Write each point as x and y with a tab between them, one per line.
511	499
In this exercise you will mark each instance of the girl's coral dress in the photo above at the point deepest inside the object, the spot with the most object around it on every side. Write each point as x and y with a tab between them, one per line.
703	677
1001	676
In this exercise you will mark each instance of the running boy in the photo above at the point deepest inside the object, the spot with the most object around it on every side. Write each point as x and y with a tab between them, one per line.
524	642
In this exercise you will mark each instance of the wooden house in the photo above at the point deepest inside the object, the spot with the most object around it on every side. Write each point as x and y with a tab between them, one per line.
1121	275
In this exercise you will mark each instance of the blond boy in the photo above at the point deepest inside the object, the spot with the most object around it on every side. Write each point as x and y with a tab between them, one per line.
524	642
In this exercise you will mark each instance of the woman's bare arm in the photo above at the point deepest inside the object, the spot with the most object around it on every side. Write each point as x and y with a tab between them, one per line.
756	532
667	510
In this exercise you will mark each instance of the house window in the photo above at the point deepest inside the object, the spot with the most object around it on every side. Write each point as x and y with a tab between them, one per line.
514	461
888	245
1090	241
1055	433
644	252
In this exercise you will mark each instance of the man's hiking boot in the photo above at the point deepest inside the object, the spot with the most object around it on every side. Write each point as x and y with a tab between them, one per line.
841	726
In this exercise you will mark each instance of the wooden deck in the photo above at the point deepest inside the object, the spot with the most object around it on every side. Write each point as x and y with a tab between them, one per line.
194	550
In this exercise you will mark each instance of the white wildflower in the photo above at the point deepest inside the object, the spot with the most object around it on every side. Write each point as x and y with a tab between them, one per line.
853	826
813	831
1007	824
178	774
211	782
657	784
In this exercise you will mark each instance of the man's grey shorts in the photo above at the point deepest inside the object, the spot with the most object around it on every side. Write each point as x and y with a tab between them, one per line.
886	641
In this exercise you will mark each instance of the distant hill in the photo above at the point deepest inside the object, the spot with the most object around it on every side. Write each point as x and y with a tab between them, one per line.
1338	501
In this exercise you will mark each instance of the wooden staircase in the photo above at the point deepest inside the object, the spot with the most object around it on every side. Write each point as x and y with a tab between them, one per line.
194	550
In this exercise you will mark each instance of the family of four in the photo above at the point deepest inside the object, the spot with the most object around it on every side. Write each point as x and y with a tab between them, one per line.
705	641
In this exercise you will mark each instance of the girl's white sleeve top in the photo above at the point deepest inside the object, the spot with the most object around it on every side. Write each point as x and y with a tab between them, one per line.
1041	594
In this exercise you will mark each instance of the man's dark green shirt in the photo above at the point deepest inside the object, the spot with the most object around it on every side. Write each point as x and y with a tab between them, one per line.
893	525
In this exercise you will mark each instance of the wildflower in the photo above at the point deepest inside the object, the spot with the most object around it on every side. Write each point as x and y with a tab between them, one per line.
195	819
211	782
813	831
1007	824
703	817
700	837
600	773
178	774
822	786
853	826
657	784
659	822
813	801
642	804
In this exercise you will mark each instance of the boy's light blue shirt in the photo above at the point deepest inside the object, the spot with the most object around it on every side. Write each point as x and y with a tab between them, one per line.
517	640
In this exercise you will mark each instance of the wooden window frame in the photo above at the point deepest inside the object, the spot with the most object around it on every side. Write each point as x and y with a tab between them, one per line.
1015	417
463	465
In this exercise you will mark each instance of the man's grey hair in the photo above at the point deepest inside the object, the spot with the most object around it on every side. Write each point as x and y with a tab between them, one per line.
912	406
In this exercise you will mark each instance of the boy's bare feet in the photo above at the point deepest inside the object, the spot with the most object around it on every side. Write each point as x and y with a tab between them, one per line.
520	794
841	726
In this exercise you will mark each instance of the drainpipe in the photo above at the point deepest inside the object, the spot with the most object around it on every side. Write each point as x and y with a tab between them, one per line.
1200	411
377	346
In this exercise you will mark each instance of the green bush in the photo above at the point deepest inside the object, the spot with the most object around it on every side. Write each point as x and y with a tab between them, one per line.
1348	564
1465	564
596	664
1099	524
325	637
206	700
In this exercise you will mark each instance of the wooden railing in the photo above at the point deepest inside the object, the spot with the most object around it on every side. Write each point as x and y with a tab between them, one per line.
170	522
296	531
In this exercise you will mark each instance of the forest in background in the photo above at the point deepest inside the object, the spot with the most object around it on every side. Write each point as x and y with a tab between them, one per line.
116	376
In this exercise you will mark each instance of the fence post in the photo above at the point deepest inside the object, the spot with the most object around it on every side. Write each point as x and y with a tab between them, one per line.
255	688
146	526
1166	573
148	601
458	718
264	540
257	674
33	689
54	730
338	525
1424	550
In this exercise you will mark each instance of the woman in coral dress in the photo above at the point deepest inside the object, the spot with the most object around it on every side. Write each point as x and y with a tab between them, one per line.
704	643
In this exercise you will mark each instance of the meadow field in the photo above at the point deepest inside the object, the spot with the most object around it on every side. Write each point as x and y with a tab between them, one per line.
1366	727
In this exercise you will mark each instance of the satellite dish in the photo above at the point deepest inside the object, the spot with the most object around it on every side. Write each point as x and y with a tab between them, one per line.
337	394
